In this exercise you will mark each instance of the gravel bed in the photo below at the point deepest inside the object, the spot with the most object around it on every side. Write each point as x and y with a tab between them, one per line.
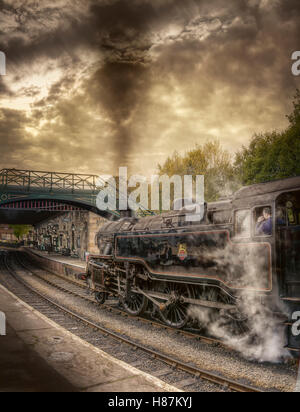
208	357
111	346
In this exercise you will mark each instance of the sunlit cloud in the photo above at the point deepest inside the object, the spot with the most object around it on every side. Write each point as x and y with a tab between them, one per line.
99	84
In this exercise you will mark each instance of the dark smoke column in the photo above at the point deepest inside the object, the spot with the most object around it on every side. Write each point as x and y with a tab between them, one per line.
119	86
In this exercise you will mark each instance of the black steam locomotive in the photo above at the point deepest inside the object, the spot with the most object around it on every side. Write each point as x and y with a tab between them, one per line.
246	248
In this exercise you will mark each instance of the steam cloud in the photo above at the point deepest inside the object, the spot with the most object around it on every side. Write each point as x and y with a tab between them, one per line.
263	340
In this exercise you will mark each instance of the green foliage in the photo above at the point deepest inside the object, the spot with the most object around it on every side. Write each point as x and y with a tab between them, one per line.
272	156
210	160
20	230
294	117
269	156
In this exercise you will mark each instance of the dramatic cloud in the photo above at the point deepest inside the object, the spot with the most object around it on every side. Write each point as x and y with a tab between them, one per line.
13	123
98	84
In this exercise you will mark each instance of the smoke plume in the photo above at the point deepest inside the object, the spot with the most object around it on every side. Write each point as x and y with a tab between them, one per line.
120	86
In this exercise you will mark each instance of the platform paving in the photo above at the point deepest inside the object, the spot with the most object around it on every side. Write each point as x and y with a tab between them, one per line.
61	259
39	355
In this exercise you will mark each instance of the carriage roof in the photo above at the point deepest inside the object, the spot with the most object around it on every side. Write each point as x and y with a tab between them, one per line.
275	186
262	193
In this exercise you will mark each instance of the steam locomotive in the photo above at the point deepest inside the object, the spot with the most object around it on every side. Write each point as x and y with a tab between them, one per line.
168	265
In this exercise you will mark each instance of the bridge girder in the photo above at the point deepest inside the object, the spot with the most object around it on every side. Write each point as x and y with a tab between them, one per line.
78	190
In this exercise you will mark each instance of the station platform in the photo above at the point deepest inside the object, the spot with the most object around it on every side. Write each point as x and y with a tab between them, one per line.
37	355
59	258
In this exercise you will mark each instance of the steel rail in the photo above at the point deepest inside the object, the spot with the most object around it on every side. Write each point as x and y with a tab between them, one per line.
169	360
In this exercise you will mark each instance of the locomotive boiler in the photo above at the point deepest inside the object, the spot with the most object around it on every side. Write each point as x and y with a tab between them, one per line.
245	247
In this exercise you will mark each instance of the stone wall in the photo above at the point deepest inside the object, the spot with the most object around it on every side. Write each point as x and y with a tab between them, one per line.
73	230
7	234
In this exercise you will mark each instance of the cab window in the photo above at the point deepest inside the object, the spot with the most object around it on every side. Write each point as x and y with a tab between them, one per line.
243	223
288	209
263	221
291	214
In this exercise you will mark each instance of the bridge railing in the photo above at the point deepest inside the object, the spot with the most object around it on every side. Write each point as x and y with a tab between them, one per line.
28	179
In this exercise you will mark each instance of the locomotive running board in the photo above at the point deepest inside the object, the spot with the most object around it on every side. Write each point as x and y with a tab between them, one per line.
205	303
209	304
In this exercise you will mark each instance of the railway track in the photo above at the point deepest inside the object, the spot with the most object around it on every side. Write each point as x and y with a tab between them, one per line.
54	310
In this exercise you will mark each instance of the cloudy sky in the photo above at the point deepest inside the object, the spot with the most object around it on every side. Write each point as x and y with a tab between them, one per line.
96	84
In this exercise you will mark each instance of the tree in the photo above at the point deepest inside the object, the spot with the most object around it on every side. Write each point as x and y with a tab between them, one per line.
210	160
272	156
20	230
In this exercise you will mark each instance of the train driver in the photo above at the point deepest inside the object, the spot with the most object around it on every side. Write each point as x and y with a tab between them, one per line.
264	224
